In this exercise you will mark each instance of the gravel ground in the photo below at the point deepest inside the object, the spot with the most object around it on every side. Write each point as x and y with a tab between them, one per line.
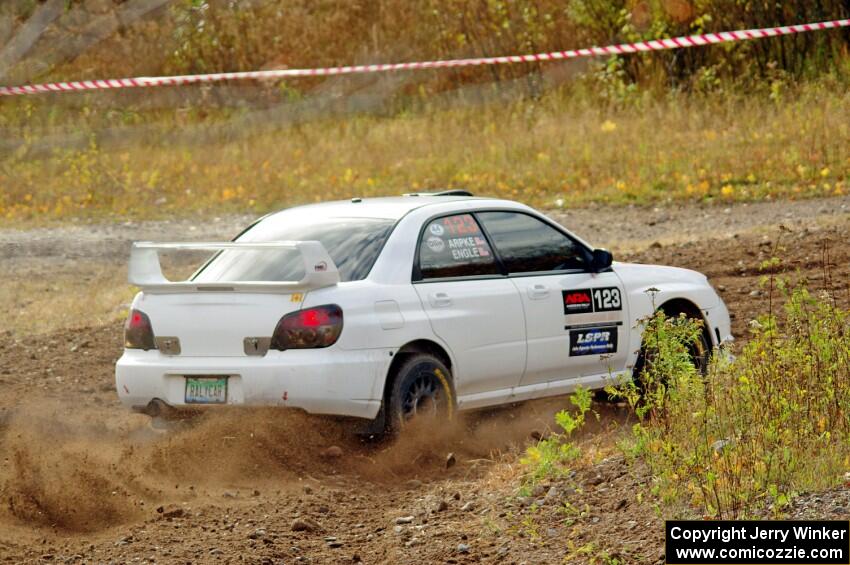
621	229
83	480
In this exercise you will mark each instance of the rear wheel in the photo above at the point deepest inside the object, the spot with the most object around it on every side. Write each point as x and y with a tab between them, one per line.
421	388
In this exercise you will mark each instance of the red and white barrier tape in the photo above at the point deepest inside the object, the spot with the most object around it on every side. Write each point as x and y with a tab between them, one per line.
641	46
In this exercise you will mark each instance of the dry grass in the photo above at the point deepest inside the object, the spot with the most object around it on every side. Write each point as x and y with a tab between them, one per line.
44	295
47	298
557	151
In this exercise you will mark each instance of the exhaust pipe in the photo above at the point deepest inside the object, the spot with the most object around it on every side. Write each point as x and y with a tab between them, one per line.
156	408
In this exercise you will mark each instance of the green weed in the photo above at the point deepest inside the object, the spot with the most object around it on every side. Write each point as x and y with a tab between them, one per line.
550	457
756	430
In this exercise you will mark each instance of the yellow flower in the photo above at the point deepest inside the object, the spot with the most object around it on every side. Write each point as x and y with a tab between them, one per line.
824	172
608	126
620	185
727	190
751	177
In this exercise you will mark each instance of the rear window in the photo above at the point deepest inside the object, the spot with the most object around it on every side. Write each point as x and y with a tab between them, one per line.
353	244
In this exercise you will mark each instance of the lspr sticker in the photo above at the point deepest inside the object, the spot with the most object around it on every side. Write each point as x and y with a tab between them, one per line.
593	341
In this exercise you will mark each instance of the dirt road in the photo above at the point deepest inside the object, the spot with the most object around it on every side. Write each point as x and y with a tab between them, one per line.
81	480
620	228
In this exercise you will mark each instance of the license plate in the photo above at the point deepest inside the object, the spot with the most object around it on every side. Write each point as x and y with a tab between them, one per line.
206	390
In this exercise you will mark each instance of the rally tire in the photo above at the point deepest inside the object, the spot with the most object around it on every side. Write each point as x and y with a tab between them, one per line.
421	387
700	353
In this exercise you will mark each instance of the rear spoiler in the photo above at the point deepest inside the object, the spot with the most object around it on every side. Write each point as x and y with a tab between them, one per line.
146	272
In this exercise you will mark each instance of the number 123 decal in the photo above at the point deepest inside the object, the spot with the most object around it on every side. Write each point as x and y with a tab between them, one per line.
607	299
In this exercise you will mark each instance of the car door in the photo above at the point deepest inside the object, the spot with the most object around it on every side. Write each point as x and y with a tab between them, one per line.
574	318
472	306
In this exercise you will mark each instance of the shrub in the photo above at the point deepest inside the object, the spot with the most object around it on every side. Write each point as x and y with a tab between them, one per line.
758	429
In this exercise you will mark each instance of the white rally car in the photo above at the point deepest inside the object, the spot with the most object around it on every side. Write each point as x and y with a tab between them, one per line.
382	308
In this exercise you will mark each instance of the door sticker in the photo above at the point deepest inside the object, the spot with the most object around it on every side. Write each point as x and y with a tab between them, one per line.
593	341
606	299
577	301
586	300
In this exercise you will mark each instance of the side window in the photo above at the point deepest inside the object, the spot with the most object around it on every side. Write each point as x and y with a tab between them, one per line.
454	246
527	245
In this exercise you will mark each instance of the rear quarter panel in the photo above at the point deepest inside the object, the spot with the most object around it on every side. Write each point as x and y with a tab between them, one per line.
375	316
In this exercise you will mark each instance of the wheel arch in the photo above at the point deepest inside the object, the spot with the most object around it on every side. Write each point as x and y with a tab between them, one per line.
412	347
676	306
378	425
680	305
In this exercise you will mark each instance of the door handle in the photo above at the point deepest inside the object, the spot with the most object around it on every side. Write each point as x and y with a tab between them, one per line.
439	299
538	291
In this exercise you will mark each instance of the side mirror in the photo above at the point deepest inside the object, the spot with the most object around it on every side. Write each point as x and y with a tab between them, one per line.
601	261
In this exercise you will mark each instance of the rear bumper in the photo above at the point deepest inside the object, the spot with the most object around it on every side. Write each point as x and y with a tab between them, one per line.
320	381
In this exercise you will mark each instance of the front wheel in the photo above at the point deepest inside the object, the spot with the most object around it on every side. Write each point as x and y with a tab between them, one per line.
699	353
421	388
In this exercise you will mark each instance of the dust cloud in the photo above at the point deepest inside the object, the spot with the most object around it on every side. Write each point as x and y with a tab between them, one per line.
82	470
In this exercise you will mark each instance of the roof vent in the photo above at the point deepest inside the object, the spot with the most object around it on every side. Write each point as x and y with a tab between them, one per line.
450	192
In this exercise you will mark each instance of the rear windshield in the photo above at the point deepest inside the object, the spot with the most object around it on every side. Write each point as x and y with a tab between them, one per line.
353	244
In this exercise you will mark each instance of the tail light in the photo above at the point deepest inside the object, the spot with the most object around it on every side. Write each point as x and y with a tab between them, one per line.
138	332
308	329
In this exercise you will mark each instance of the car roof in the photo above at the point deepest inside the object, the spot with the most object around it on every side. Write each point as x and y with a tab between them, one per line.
392	207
